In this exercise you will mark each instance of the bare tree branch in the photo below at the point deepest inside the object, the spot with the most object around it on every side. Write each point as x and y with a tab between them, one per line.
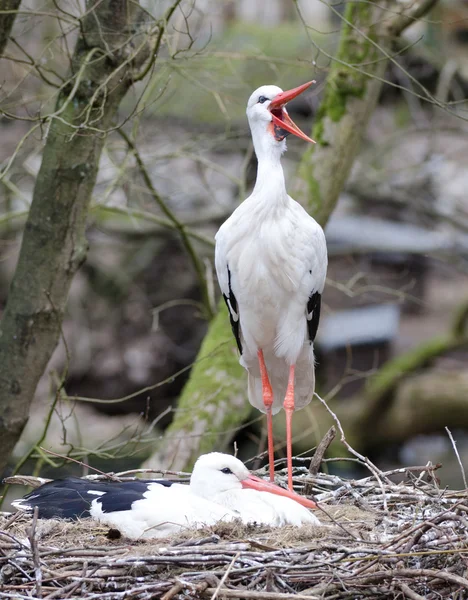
409	15
180	227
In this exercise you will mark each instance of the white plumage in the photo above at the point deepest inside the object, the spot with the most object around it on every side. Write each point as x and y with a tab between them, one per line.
221	489
271	262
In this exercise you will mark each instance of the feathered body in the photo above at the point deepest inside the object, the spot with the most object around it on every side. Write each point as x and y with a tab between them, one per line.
271	262
221	489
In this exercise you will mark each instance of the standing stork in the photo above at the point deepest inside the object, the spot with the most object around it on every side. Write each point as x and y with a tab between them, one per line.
271	262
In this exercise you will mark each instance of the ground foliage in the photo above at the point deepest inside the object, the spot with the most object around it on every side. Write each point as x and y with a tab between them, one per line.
393	534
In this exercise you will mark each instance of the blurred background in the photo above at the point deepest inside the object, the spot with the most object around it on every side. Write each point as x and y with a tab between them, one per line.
398	240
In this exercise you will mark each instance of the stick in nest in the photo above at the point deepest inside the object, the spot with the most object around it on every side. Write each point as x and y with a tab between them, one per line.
455	449
35	554
370	465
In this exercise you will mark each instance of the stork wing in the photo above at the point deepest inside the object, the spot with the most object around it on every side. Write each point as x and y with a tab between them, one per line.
71	498
313	314
225	283
317	263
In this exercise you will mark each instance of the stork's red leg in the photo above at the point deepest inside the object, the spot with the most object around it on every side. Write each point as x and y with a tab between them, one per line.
289	409
268	402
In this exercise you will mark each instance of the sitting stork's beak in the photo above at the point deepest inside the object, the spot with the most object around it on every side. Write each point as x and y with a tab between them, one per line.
260	485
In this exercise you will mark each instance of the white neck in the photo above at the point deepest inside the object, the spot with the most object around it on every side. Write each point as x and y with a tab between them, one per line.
270	183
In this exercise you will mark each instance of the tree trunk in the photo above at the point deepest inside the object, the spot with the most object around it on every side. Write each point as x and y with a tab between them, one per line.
7	20
350	96
111	46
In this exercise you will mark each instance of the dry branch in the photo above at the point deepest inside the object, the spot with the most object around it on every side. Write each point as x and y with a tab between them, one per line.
323	446
178	226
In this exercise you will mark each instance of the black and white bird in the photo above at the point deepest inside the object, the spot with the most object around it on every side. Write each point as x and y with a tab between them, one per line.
221	489
271	262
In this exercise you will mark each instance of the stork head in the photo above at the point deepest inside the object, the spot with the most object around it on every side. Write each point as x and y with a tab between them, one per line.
216	473
268	118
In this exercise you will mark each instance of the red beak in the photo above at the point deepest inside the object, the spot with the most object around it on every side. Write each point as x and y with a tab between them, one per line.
280	117
255	483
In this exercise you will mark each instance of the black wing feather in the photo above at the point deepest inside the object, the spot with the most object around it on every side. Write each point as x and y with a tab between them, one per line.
71	498
231	303
313	314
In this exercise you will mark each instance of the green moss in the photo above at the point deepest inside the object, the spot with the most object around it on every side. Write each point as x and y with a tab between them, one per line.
347	79
345	85
337	107
318	132
315	194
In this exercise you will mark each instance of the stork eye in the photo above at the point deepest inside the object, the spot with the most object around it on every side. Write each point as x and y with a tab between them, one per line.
226	471
262	99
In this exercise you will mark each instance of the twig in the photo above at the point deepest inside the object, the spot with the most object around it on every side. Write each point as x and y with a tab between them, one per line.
79	462
197	263
455	449
29	480
155	50
241	594
320	451
147	471
11	519
409	593
175	589
224	577
372	468
410	15
144	216
35	554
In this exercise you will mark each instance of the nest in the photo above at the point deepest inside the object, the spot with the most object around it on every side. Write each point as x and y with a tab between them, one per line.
393	534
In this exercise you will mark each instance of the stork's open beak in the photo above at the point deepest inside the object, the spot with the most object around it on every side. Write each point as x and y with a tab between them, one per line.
255	483
282	122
